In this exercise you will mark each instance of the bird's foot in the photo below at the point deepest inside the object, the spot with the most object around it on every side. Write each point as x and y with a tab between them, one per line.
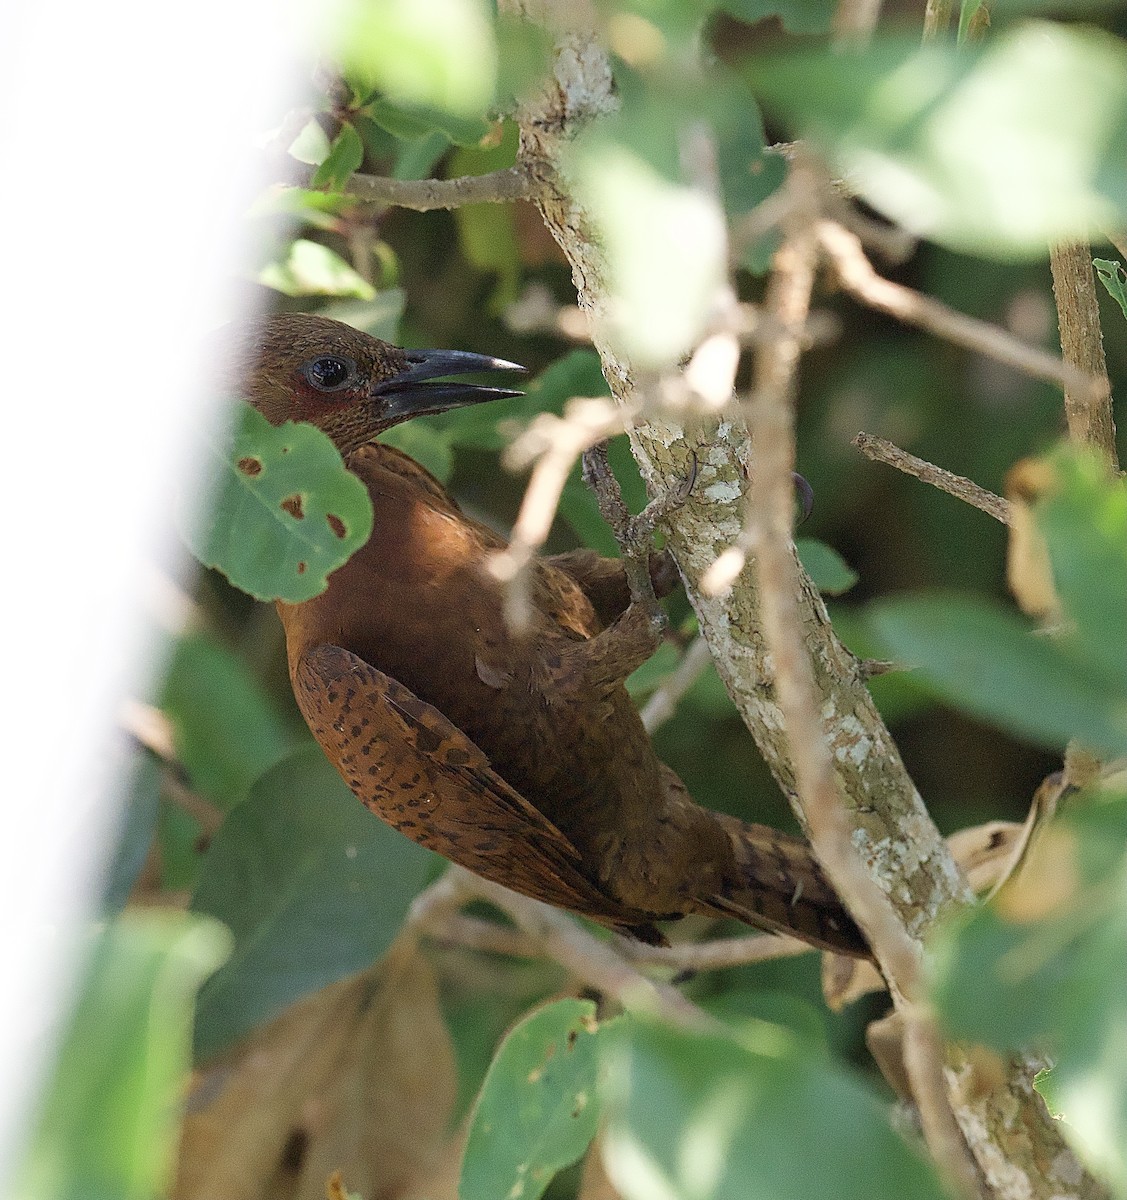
644	523
633	534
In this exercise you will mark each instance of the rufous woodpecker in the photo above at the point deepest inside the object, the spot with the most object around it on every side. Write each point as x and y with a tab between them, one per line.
520	757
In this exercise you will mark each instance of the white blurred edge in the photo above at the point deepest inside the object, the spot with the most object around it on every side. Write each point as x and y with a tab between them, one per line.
128	134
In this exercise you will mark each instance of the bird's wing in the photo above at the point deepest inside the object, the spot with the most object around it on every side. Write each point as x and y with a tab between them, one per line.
419	772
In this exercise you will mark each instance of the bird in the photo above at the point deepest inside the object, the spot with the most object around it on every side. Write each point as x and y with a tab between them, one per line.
517	755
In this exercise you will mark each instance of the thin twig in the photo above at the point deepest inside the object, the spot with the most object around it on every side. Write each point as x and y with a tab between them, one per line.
423	195
555	444
721	954
914	308
880	450
663	703
770	415
1089	414
716	955
595	962
1118	240
475	933
893	244
151	728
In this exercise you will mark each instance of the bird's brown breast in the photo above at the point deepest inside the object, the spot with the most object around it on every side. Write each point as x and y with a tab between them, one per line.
419	603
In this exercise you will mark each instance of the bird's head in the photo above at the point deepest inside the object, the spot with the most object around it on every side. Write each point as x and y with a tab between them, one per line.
299	367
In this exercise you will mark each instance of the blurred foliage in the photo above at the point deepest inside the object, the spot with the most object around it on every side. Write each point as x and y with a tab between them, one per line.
108	1128
311	887
1043	966
703	1114
991	150
980	656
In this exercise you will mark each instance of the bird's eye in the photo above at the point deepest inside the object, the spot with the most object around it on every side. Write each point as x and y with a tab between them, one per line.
328	373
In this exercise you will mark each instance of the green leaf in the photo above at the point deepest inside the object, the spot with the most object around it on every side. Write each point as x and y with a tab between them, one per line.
1013	979
226	728
344	157
488	239
968	10
440	53
651	674
1111	274
412	122
829	571
136	828
486	231
524	55
981	658
311	884
379	317
310	269
285	511
320	210
537	1109
759	1014
1083	517
704	1116
109	1123
311	146
417	160
181	841
660	301
997	150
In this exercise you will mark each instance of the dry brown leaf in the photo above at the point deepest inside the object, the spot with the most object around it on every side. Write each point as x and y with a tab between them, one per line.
985	854
595	1183
384	1116
1029	571
847	979
1048	880
358	1078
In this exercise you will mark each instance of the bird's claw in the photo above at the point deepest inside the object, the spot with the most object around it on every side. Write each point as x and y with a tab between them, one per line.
632	534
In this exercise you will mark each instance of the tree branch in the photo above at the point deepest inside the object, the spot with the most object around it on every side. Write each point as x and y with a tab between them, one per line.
892	831
424	195
880	450
663	703
914	308
770	414
1089	415
558	936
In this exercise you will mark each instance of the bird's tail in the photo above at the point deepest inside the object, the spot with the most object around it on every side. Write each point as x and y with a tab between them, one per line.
780	887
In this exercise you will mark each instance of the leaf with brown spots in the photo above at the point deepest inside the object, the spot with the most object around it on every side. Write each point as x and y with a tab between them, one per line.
537	1110
284	513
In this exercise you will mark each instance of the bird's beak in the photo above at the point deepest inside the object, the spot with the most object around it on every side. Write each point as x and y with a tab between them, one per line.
420	387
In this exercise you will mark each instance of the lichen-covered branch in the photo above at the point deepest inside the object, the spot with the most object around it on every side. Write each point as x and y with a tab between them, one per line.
896	838
1006	1126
